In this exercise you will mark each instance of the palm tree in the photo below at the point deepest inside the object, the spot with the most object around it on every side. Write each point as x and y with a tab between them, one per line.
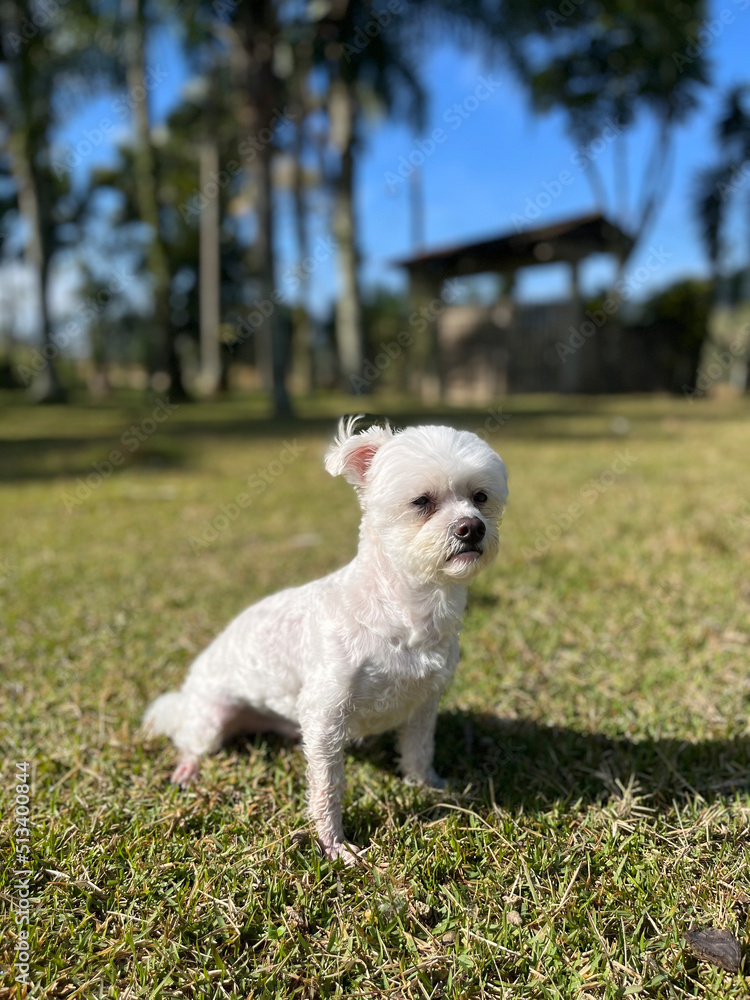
379	74
611	63
42	59
147	197
719	186
370	54
184	196
252	37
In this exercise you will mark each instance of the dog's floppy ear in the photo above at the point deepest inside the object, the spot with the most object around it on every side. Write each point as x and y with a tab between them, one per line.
352	452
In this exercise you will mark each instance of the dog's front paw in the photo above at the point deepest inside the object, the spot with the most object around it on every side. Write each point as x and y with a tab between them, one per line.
349	853
429	779
185	773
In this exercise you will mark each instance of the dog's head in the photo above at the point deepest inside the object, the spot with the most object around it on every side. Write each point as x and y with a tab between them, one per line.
432	497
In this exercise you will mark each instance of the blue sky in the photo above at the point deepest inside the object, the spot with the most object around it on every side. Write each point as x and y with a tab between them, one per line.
489	167
502	155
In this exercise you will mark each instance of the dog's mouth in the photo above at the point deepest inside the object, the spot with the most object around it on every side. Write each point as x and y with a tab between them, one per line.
465	555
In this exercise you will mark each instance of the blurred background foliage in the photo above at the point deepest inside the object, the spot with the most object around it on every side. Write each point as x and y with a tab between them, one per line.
176	243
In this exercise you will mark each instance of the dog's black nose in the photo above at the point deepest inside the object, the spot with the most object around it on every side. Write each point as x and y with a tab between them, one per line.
470	529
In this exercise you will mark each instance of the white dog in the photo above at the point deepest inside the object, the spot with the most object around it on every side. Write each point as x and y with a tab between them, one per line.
370	647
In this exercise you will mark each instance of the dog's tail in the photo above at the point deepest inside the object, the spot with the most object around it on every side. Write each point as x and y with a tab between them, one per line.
164	716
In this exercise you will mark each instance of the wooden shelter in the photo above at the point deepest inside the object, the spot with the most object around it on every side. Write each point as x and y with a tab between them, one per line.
453	343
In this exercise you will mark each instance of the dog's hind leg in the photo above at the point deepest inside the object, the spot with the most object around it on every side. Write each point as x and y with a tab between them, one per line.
207	724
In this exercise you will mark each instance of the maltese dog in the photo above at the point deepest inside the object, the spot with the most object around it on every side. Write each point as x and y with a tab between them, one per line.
370	647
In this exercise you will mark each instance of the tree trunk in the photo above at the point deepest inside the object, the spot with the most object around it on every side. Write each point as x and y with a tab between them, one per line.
210	271
253	59
46	386
305	344
349	327
147	196
426	352
273	348
25	141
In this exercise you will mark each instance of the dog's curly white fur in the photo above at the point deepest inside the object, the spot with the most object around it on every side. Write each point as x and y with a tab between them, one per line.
370	647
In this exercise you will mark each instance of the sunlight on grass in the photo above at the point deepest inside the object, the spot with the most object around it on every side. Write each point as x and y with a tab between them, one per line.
596	733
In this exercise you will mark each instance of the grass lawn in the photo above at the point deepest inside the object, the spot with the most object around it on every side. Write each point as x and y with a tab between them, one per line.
597	731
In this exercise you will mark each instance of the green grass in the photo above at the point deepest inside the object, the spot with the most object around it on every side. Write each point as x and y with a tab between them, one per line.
597	729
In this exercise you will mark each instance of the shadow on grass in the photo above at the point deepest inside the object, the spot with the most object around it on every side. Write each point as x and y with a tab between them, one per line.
533	765
535	768
44	459
47	456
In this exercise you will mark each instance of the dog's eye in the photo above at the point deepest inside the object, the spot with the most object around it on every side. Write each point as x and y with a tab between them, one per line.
422	501
480	497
